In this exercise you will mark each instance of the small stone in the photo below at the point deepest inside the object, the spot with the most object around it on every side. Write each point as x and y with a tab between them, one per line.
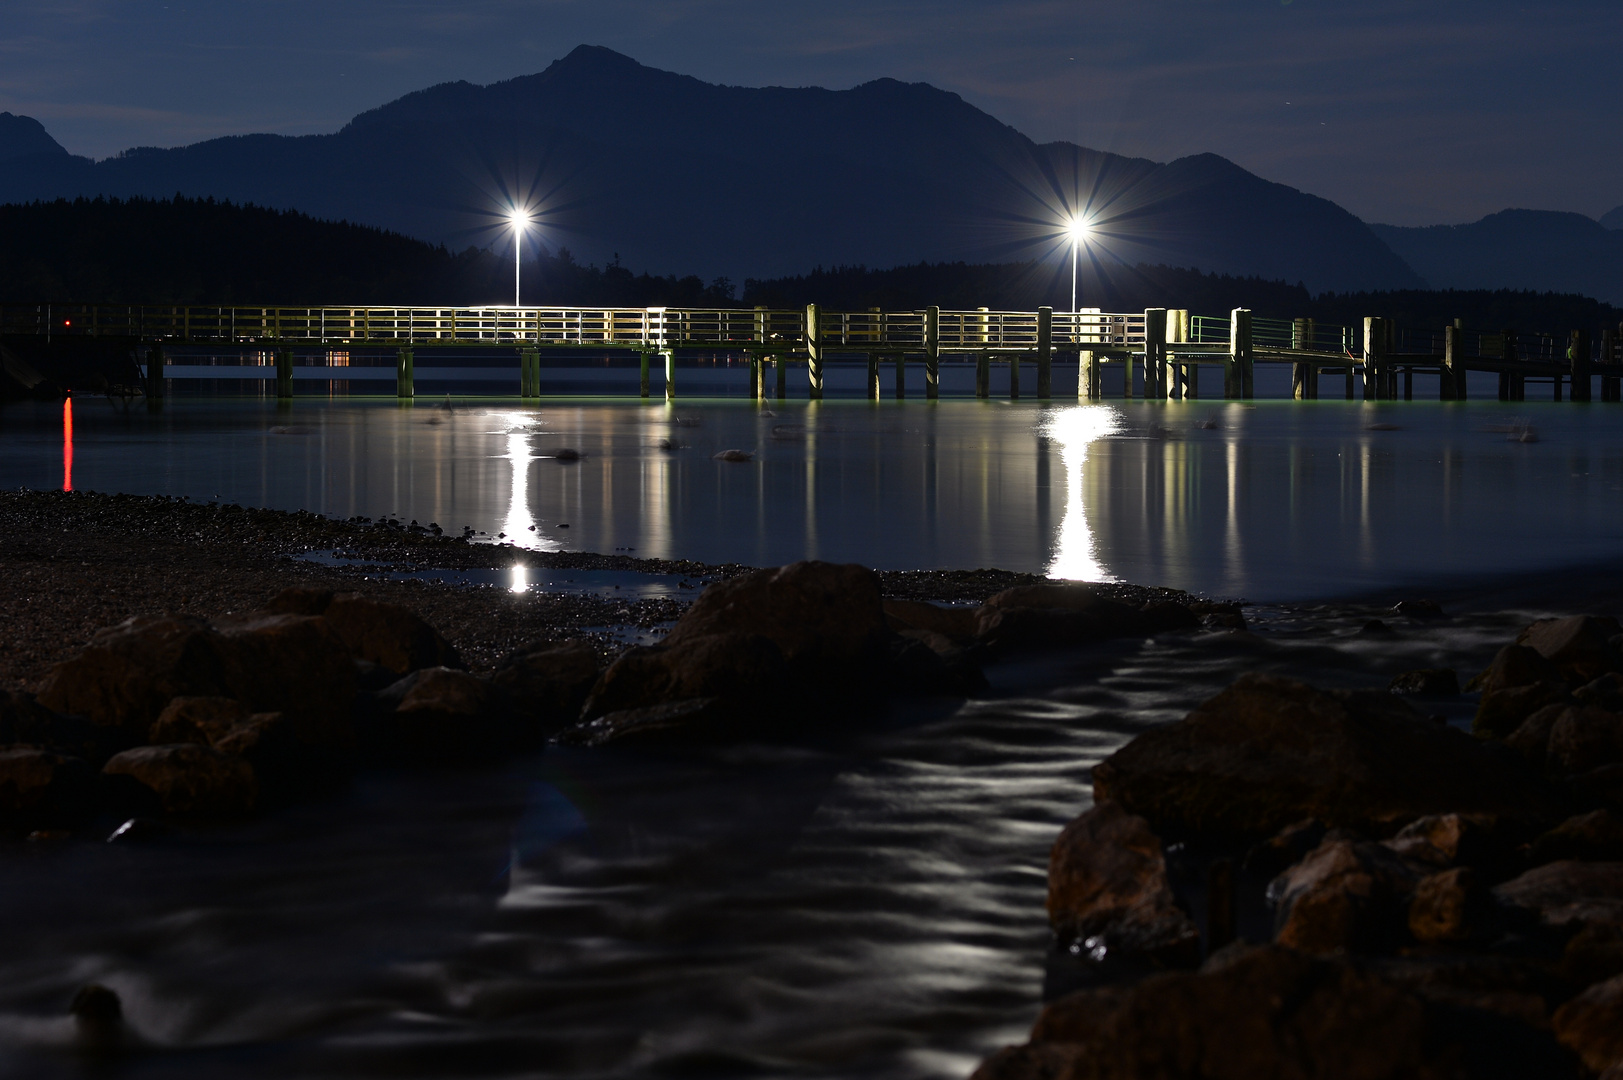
1426	682
1376	628
1418	609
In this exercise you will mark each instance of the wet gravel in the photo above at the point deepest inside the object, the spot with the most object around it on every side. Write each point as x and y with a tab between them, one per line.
72	563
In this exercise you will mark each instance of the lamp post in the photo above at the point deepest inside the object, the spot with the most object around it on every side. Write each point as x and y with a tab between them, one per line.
519	219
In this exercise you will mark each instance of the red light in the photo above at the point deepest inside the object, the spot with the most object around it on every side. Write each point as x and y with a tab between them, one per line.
67	322
67	444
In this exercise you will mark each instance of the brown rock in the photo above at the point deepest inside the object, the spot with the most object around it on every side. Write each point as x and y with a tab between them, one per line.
129	672
1605	692
1262	1012
1108	891
26	723
190	779
1602	787
270	743
1515	665
298	665
1594	954
444	714
1035	616
1442	840
1576	645
737	666
827	620
1593	837
549	685
1346	895
1501	712
196	720
1569	893
1287	847
678	723
388	634
1583	738
1448	906
956	624
1268	751
41	788
1426	682
1031	1061
1591	1025
1532	736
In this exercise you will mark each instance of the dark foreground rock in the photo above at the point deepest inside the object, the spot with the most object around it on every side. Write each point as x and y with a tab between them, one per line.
1268	751
1268	1012
189	780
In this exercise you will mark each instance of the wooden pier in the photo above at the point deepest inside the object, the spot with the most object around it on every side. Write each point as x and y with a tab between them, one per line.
1159	352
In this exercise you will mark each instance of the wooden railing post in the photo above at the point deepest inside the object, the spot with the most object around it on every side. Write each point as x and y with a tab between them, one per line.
405	376
814	353
932	353
1155	354
1580	365
1045	351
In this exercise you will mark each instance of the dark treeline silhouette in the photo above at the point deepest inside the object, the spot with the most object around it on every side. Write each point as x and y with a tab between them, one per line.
203	251
1025	286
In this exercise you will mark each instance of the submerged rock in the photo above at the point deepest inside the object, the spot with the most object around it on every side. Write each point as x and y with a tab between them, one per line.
1426	682
1269	751
1108	891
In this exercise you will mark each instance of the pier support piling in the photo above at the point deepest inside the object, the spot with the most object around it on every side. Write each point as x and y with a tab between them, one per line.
1374	356
405	375
284	374
873	376
901	376
155	373
529	377
983	375
814	353
1155	354
1580	365
1045	350
1240	381
670	374
642	372
932	353
1451	380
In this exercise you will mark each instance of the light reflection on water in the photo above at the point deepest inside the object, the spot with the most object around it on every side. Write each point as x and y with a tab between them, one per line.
1268	500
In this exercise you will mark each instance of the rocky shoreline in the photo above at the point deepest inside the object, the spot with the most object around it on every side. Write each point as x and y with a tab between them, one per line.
1433	903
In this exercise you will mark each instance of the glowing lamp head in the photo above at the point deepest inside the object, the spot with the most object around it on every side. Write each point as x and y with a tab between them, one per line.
1079	228
518	218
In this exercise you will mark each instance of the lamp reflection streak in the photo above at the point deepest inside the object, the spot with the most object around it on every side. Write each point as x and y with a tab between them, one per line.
520	524
1075	557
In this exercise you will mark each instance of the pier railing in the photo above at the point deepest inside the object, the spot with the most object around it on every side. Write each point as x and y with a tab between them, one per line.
1159	349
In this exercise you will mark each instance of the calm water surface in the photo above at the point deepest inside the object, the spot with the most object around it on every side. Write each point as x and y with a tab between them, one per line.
1265	500
859	906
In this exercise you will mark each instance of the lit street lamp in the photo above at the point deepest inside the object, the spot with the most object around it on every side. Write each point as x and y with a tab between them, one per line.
519	218
1078	229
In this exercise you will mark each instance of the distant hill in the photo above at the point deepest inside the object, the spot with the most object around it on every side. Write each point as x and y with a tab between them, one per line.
24	137
672	173
1613	218
205	251
1517	249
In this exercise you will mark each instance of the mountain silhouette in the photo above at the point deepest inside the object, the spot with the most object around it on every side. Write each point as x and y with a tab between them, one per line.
1517	249
673	174
1613	218
24	137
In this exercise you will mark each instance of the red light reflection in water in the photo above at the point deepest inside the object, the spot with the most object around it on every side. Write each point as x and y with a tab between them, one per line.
67	444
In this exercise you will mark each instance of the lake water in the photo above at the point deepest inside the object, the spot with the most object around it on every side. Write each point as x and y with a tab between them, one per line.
864	905
1264	500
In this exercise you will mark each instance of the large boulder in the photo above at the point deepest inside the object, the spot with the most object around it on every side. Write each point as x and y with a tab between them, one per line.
196	720
1593	837
189	780
126	675
25	722
440	714
1512	666
1268	751
41	788
1502	712
1036	616
952	625
828	620
741	668
1568	893
297	665
1577	645
1346	895
388	634
547	685
1450	906
1108	891
1591	1025
1584	738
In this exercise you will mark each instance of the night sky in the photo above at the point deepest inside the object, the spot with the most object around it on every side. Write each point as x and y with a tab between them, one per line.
1404	111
